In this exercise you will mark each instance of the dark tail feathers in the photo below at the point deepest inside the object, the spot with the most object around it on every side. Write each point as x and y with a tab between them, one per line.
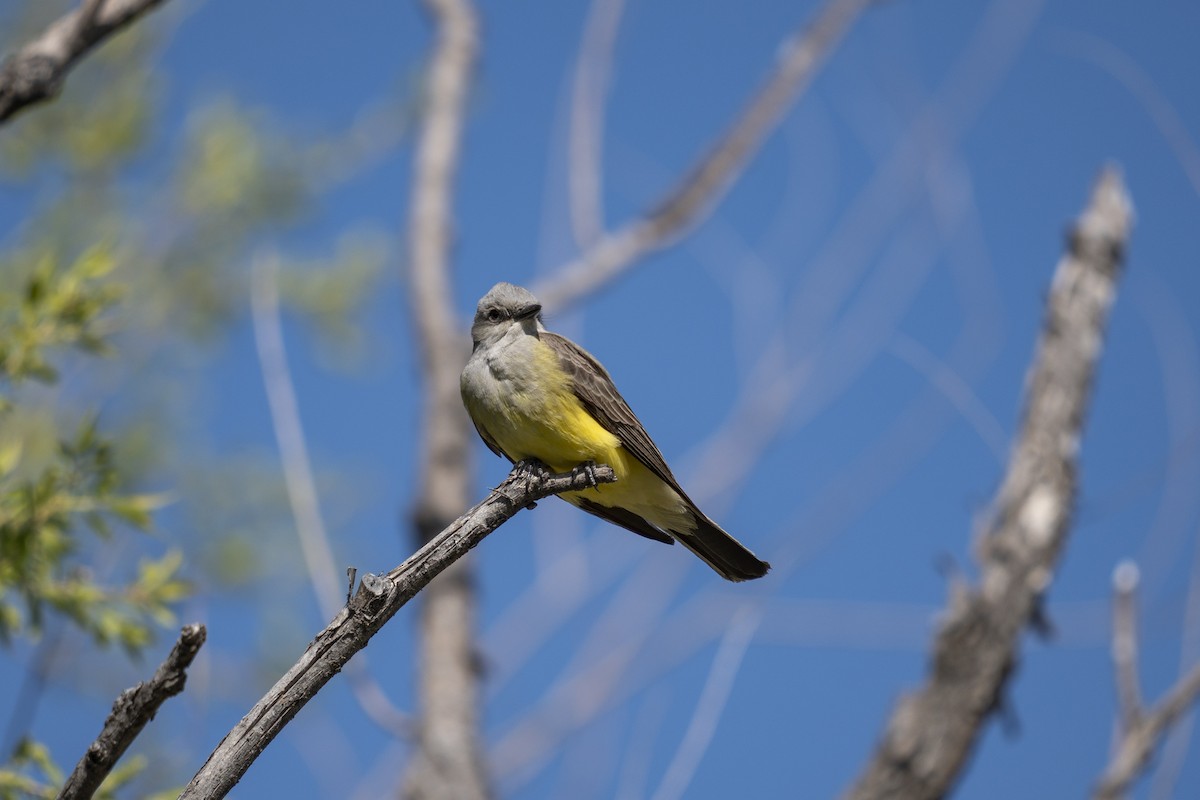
725	554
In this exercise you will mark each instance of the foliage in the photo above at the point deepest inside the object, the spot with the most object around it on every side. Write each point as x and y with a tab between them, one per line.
134	247
47	501
32	773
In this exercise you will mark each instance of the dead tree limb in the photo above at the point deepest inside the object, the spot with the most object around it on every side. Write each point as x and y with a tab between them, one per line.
1142	729
685	204
931	732
448	762
378	599
131	711
36	72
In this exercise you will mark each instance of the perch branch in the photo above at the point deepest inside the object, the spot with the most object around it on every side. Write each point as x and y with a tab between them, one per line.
133	708
36	72
378	598
931	732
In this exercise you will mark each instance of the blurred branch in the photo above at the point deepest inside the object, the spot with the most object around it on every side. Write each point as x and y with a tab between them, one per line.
378	599
132	710
293	451
592	70
687	203
448	761
931	732
1141	729
36	72
710	705
302	489
1125	644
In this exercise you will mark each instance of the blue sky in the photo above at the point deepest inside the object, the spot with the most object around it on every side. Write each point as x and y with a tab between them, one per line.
897	235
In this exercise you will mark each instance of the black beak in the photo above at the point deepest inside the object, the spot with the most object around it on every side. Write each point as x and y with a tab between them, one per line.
531	310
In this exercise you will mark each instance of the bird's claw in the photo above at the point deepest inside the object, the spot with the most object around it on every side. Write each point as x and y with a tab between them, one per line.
588	469
532	470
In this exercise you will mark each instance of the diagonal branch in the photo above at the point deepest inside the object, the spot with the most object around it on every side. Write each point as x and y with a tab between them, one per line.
36	72
690	201
132	710
932	731
378	599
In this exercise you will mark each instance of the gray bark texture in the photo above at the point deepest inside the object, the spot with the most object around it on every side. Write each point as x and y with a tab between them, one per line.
36	72
377	600
131	711
932	731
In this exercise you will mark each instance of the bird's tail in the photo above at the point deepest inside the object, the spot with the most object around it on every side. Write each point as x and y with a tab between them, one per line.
725	554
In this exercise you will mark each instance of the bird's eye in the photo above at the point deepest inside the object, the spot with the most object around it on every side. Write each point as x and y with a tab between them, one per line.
493	315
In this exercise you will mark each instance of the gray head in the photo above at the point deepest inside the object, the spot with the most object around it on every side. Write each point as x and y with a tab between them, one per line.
503	306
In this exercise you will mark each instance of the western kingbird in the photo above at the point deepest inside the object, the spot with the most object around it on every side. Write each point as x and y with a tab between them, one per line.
534	395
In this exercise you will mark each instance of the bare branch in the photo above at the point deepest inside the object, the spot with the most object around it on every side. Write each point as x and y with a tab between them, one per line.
36	72
132	710
1141	730
592	69
1125	644
448	762
710	705
378	599
293	450
691	200
932	731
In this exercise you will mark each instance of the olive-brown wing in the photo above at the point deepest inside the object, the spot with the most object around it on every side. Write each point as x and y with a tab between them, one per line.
599	396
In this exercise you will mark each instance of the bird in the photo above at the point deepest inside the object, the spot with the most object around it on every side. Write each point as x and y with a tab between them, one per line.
536	396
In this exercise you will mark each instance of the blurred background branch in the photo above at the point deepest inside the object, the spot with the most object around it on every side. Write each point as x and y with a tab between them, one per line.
448	762
1140	730
606	256
931	732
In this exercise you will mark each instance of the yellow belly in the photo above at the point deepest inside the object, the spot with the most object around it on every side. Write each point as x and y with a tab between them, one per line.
551	425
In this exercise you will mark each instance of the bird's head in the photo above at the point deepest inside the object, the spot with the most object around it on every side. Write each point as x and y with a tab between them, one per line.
502	307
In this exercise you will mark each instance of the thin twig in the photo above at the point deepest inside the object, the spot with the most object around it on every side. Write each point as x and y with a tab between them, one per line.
132	710
711	704
1125	644
592	69
289	435
689	202
1141	730
378	599
36	72
448	762
932	731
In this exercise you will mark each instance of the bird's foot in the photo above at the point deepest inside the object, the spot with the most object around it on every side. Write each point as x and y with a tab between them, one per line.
533	471
588	469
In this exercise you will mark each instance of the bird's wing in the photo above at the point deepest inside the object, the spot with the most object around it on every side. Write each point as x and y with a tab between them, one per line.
599	396
489	441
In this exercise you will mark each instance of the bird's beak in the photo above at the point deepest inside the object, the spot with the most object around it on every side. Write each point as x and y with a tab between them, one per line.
531	310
